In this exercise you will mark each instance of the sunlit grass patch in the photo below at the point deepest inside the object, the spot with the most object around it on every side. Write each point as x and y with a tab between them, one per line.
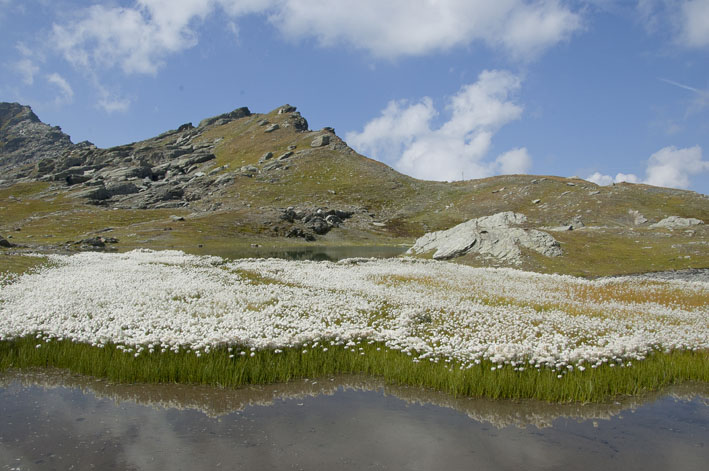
18	264
240	365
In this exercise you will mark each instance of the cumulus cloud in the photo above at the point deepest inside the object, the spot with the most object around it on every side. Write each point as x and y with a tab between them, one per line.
139	38
66	93
404	134
136	39
516	161
386	29
695	23
687	20
669	167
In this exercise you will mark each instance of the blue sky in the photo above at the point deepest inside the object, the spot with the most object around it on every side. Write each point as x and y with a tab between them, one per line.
439	89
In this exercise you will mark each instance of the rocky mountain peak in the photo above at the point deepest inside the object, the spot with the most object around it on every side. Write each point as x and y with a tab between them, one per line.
25	139
13	113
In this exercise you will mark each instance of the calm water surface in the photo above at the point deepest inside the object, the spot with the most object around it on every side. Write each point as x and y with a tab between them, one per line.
55	420
315	252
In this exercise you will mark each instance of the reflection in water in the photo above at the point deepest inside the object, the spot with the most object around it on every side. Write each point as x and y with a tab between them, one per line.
316	253
53	419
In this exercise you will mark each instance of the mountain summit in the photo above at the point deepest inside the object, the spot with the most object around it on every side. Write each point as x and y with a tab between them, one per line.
25	139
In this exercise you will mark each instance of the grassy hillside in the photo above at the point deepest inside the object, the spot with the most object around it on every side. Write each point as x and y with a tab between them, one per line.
388	208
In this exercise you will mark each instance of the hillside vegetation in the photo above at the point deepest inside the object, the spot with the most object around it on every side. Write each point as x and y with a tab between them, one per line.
213	189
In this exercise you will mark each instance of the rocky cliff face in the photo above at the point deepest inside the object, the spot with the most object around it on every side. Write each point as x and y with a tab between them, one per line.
25	139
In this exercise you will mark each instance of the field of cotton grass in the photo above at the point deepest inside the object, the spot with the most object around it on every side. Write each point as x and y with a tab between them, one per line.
171	317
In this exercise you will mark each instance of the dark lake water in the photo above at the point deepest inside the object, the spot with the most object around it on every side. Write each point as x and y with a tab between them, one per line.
318	253
55	420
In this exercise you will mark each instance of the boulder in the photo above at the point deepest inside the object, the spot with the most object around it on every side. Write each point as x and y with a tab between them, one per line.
5	243
265	157
289	215
225	118
676	222
320	141
123	173
333	220
97	242
121	188
76	179
298	122
248	170
224	179
167	193
45	166
637	218
193	159
493	236
272	128
286	109
318	225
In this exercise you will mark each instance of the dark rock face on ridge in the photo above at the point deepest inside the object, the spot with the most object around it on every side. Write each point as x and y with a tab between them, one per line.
25	139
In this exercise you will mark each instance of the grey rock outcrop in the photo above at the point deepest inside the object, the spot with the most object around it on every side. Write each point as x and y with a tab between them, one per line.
286	109
226	117
25	139
320	141
493	236
676	222
307	221
5	243
637	218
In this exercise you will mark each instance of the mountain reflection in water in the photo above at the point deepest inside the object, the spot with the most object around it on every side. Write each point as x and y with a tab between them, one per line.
53	419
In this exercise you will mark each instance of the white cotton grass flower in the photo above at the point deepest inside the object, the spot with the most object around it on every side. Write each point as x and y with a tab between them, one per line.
143	300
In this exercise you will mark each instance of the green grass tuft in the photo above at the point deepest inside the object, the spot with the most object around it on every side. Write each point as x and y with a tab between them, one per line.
217	368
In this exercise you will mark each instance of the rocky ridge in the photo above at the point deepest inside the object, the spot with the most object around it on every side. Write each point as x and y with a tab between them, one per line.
171	170
24	139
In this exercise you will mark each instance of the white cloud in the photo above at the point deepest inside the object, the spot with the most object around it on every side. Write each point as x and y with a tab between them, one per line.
686	20
669	167
404	136
140	38
66	94
414	27
109	101
599	179
672	167
695	23
112	104
136	39
27	69
516	161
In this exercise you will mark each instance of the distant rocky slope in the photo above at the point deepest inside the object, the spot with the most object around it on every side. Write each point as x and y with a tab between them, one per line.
241	179
24	139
